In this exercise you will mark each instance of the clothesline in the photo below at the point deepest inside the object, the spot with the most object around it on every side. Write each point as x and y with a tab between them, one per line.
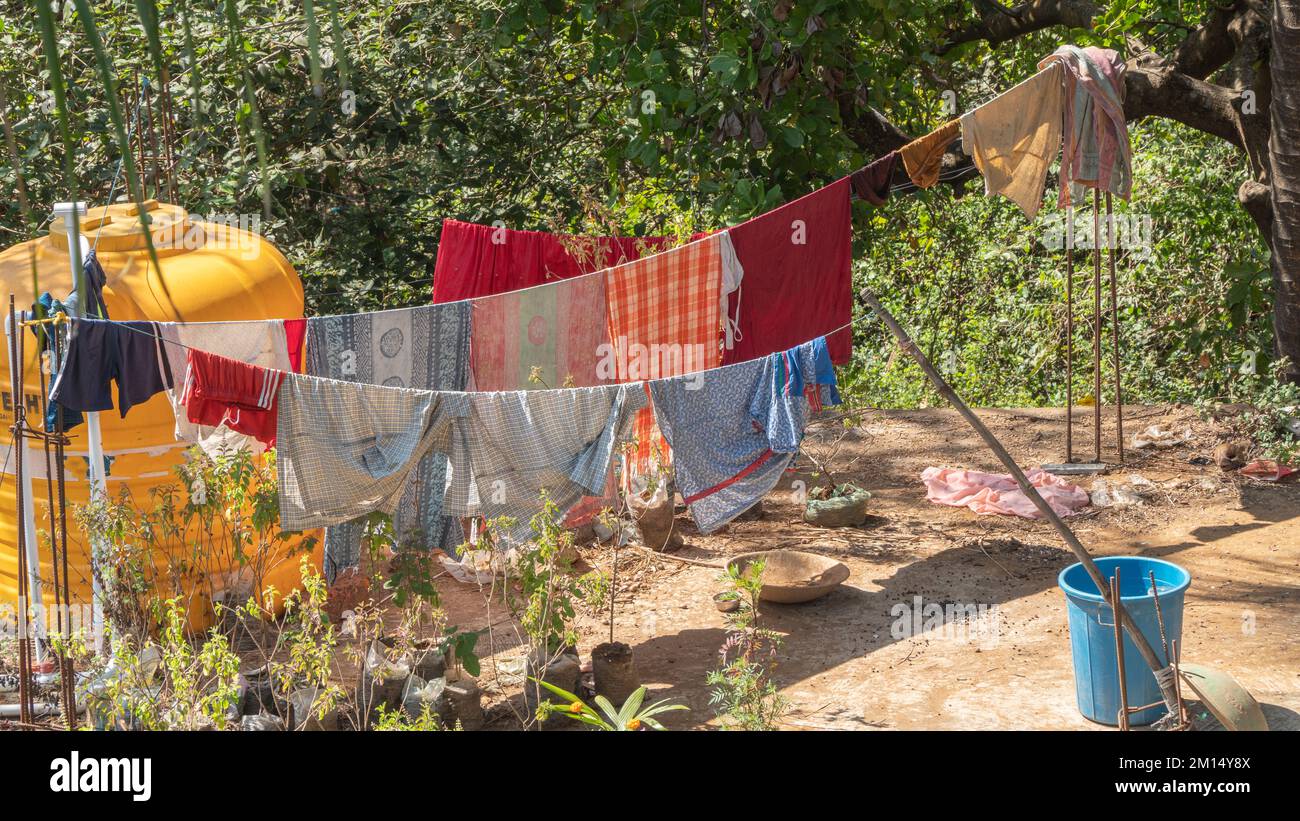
130	326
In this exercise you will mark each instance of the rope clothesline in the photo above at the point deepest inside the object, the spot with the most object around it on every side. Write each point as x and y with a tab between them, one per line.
692	375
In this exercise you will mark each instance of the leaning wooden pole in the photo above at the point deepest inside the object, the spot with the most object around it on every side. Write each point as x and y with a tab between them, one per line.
1080	552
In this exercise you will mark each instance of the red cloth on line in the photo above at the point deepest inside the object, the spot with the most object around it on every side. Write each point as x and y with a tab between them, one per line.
295	334
798	276
221	391
482	260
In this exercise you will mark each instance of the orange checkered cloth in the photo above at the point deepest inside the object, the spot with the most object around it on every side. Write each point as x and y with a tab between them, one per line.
664	321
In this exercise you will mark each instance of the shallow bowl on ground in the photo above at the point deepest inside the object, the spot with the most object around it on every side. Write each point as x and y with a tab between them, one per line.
792	576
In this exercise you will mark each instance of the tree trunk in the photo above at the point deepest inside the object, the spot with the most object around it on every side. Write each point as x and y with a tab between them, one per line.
1284	155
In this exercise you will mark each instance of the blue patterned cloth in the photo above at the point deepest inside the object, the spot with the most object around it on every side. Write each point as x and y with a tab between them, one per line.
425	348
734	430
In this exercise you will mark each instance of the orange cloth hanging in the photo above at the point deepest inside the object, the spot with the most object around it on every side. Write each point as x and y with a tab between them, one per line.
664	321
923	156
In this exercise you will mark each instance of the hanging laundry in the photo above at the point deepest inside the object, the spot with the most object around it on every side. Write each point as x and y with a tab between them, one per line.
923	157
557	330
45	335
93	276
295	339
348	449
512	445
262	342
1014	137
425	348
100	352
735	434
798	272
1096	152
664	321
482	260
872	183
222	392
989	493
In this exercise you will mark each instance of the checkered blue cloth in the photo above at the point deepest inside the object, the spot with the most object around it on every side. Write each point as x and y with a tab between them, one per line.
512	444
345	449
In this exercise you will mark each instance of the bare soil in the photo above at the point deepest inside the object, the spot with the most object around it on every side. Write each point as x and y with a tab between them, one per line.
842	665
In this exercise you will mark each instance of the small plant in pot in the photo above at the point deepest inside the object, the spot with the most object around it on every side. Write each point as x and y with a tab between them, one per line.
652	509
834	504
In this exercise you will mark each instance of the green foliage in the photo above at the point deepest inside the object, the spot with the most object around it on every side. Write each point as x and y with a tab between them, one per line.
984	296
631	716
356	129
1271	413
169	684
546	592
744	695
395	719
218	525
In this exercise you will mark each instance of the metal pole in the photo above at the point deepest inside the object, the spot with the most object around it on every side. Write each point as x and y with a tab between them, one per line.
67	673
1116	594
1071	541
24	651
1096	326
26	510
1069	334
1114	329
95	442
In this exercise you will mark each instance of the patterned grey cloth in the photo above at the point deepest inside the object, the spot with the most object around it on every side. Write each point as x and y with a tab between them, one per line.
512	444
425	348
346	449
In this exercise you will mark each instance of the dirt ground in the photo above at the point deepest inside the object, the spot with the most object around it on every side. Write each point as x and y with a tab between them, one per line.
841	666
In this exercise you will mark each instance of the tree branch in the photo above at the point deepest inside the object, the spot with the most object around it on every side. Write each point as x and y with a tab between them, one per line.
997	25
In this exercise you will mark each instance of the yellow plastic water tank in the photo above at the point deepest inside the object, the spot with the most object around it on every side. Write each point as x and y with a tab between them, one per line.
211	270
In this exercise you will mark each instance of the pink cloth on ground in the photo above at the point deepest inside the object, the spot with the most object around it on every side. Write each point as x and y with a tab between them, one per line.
988	493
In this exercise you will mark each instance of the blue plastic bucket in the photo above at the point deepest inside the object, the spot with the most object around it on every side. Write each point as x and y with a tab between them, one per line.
1092	634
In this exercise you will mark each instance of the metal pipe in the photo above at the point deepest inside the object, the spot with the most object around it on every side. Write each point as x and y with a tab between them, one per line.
1069	334
1096	327
15	384
94	436
1114	329
1116	595
66	670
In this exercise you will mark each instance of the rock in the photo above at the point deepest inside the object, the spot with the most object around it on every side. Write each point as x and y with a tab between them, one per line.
350	588
1231	410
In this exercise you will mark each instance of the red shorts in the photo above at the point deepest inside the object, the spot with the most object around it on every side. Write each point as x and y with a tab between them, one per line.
221	391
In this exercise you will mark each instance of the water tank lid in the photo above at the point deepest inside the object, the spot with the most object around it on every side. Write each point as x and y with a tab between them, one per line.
118	227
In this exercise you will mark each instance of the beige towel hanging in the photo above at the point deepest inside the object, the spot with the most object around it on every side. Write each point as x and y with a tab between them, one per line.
1014	137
